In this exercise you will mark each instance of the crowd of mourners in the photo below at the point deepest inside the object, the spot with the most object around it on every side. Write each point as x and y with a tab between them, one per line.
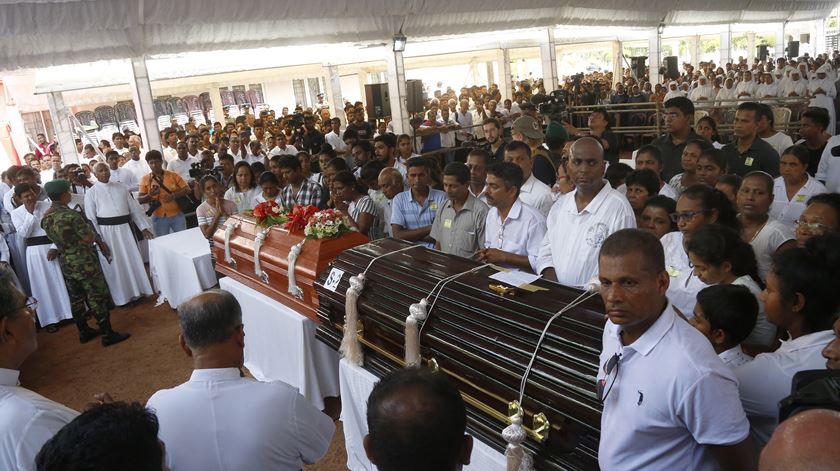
718	261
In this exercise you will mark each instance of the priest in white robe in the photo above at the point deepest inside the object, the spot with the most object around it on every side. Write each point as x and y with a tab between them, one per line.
110	207
45	277
822	91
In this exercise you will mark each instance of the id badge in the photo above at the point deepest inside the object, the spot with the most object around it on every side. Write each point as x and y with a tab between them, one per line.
748	161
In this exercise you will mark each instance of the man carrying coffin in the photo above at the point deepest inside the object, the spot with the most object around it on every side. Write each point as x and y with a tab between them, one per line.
73	237
111	208
45	276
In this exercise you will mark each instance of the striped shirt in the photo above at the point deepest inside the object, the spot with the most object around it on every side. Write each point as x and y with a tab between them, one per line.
366	205
408	213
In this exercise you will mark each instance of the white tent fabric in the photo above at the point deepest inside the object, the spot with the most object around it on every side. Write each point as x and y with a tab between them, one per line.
39	33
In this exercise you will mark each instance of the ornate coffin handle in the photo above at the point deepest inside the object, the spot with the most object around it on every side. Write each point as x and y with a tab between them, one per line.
258	241
293	255
228	233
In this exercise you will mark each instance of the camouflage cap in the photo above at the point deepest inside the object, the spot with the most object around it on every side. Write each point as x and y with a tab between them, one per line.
56	187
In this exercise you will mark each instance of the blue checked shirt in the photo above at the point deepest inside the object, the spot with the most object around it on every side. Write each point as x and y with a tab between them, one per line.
309	194
406	212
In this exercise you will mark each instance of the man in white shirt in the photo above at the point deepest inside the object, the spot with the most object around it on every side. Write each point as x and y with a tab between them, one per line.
828	171
219	420
582	219
110	208
170	152
182	164
335	138
767	131
533	192
28	419
118	174
135	164
391	184
668	400
513	231
55	167
281	148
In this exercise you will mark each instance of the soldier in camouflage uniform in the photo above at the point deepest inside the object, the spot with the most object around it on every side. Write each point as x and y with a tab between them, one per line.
75	237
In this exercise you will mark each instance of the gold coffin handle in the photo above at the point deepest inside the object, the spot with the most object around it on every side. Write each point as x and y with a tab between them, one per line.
541	424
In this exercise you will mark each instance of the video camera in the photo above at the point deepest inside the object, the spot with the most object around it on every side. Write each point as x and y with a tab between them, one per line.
553	105
197	171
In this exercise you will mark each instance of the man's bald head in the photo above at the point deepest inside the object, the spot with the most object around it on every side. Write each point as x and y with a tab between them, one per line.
806	441
588	146
391	182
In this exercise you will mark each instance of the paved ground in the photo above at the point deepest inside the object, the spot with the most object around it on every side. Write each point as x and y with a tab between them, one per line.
71	373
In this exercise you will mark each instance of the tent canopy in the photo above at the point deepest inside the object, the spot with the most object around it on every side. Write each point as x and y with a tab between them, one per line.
39	33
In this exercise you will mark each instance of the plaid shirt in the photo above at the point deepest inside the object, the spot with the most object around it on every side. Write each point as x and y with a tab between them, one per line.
309	194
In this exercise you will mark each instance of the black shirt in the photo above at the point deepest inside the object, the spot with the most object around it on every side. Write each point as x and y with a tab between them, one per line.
499	155
760	156
312	141
815	156
363	129
611	154
672	154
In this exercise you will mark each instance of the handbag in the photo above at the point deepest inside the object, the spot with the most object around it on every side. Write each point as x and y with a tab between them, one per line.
185	203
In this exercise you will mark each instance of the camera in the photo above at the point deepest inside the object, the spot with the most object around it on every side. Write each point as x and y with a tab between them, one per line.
197	171
553	105
812	389
78	174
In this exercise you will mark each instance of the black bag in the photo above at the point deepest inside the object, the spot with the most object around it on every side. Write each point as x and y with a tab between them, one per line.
185	203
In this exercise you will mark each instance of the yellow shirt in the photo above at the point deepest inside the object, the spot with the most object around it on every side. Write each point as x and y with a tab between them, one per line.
173	183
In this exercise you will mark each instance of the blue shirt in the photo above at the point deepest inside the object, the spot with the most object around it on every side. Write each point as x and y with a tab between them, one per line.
408	213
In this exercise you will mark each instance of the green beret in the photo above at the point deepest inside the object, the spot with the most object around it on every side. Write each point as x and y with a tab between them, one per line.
555	132
57	187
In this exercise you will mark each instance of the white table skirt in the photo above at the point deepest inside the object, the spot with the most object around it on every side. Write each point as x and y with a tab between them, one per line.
356	385
181	266
280	345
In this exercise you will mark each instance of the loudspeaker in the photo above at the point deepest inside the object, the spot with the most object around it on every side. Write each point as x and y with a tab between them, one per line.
762	52
638	66
414	96
793	49
672	69
378	100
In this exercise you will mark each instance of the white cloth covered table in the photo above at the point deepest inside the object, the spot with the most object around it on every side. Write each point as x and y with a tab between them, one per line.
280	345
356	385
181	266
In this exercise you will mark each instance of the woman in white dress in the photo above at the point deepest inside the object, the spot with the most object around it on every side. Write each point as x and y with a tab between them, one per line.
793	189
697	206
822	91
244	190
47	281
766	235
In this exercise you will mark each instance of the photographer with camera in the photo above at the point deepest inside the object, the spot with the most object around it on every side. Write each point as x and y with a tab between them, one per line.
79	183
161	189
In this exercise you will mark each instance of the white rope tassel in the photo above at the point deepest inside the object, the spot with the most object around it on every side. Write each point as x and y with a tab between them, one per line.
350	347
418	313
293	255
258	241
518	458
228	233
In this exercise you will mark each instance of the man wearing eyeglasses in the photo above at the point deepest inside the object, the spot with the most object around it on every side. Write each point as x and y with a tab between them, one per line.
668	400
28	419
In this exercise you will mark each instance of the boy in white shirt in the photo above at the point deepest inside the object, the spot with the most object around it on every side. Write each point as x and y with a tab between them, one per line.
726	314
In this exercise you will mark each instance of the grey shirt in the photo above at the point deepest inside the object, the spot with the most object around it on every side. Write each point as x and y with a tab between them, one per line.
460	233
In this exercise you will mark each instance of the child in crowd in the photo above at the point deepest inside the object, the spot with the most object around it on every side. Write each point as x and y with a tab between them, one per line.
270	185
729	186
720	256
726	314
711	165
641	186
656	217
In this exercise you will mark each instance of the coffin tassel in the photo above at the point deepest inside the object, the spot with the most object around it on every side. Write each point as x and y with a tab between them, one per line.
518	459
293	255
350	346
419	312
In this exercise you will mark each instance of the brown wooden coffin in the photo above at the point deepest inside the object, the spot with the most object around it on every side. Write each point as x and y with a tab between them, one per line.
273	281
483	341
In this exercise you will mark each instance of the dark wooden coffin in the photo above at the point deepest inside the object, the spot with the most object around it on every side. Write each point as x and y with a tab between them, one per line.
273	280
483	341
